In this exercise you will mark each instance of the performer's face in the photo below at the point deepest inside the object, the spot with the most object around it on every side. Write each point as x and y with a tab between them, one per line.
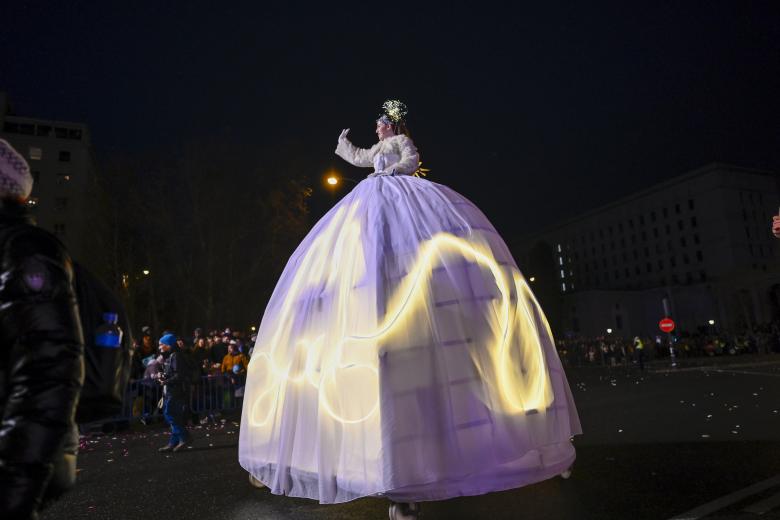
384	130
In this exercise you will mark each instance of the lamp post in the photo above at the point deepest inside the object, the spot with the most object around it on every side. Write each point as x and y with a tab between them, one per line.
333	180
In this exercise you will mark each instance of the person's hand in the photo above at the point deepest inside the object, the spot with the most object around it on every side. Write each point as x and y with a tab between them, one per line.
343	135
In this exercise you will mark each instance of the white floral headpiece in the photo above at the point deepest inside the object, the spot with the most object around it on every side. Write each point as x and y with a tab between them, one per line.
394	112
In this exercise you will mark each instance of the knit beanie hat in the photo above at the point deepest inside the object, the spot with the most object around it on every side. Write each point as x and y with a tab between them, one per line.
15	179
168	339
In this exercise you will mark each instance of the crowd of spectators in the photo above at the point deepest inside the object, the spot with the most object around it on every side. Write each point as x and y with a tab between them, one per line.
613	350
218	362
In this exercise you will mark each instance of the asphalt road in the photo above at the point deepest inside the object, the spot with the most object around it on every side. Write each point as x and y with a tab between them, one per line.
703	438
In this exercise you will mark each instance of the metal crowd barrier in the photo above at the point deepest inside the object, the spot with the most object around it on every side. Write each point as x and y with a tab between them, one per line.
212	393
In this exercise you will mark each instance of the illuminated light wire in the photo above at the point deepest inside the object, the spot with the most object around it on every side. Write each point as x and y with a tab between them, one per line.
535	387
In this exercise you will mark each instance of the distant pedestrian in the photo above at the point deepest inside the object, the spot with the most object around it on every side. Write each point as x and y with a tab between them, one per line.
639	348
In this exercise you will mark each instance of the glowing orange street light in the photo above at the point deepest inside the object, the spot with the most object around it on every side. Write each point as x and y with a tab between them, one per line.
332	180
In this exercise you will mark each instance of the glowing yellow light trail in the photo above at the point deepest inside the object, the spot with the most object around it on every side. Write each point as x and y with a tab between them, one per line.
341	267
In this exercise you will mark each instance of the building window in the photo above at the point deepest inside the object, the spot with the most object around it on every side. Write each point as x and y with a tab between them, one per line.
60	203
64	156
677	208
43	130
36	175
74	133
699	256
693	221
666	212
690	203
682	241
25	129
652	216
60	132
59	229
655	232
680	225
63	178
702	276
695	239
35	153
649	268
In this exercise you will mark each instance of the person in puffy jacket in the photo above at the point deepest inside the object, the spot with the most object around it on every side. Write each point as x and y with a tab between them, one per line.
41	352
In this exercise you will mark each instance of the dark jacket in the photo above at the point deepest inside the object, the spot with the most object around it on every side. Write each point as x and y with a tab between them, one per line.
41	359
177	374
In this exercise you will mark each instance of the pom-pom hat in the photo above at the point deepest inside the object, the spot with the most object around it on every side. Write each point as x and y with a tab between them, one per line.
16	182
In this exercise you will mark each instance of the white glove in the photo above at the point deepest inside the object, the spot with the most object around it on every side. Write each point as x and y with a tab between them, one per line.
343	135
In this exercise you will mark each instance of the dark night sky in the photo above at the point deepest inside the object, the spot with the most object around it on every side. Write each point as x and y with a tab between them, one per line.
534	113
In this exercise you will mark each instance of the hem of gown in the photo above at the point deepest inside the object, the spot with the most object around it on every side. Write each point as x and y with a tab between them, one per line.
493	480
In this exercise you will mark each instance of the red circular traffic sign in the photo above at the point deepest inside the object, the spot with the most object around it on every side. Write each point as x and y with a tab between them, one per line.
666	325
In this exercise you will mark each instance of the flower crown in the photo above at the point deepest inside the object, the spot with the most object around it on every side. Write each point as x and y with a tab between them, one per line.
393	112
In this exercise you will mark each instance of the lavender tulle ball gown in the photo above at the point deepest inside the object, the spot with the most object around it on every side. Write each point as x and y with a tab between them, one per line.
402	353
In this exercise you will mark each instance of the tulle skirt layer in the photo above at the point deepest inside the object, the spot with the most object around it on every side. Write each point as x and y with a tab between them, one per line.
403	354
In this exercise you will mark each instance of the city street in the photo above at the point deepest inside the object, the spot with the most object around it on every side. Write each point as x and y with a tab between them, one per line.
698	441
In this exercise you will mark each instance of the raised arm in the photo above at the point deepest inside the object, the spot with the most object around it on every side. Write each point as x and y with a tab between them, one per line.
352	154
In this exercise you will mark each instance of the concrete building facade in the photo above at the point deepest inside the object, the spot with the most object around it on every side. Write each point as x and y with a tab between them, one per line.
697	248
62	163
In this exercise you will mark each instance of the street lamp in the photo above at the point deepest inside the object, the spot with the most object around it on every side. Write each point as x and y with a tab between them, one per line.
146	272
609	331
334	179
711	322
532	279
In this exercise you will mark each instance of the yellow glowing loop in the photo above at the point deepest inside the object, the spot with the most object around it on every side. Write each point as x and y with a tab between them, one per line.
518	393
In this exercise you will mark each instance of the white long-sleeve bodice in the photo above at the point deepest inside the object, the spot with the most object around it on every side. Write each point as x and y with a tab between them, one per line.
393	154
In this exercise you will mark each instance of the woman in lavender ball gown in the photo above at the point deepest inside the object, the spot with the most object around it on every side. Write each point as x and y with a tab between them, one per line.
402	353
